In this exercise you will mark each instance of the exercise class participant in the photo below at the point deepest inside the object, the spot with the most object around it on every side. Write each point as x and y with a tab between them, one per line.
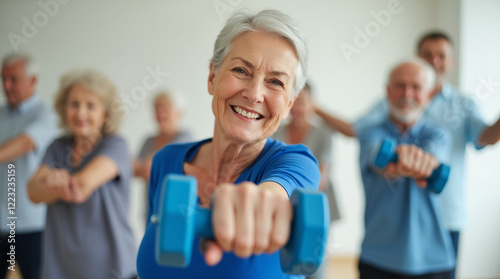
258	67
459	114
168	115
27	127
300	129
85	180
404	232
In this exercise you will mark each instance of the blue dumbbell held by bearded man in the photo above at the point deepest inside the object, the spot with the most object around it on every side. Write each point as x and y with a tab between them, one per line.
386	154
180	220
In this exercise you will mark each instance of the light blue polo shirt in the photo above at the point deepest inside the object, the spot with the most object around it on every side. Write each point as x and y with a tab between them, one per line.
38	121
404	232
461	117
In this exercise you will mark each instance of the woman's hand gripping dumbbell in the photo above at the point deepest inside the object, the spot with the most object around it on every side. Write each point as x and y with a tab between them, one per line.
180	220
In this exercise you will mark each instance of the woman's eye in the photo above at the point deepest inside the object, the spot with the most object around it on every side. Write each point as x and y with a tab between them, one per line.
239	70
277	82
90	106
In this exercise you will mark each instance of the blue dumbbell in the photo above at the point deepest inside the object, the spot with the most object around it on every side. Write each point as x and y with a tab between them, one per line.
386	155
180	221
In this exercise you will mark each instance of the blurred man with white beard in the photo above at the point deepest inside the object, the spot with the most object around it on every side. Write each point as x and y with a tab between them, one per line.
459	114
404	233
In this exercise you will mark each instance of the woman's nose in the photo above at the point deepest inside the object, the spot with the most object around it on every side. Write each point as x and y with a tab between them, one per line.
255	91
81	111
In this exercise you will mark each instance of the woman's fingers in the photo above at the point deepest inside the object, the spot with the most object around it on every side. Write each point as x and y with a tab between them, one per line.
246	205
211	251
223	216
263	224
281	224
250	220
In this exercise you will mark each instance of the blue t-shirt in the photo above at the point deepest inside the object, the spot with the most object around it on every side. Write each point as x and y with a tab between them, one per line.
404	231
291	166
461	117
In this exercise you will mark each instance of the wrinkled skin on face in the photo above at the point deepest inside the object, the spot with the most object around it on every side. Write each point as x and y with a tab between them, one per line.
252	88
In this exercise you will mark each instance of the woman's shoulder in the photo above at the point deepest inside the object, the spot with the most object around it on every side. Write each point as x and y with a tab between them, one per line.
112	144
180	149
113	139
60	143
277	147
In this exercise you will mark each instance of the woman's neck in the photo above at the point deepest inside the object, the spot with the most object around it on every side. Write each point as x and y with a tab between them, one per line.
166	135
220	161
166	130
296	131
299	123
83	145
227	159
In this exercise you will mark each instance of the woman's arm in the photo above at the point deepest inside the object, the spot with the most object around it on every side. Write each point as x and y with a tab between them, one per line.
324	170
49	185
142	167
138	168
275	188
97	172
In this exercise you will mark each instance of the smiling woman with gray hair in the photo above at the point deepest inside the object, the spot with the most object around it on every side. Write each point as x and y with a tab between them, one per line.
258	67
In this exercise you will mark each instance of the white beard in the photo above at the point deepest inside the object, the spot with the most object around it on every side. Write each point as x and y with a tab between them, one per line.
406	116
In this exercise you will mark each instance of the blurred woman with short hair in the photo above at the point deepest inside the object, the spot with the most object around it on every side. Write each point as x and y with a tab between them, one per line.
85	179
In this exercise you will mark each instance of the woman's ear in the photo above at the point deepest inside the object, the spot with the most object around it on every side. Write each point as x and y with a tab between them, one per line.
211	77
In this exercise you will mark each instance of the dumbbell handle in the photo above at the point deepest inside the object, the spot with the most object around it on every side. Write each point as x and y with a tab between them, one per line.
203	222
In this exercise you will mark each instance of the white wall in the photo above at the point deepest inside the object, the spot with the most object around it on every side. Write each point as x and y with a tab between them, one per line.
448	20
124	38
480	78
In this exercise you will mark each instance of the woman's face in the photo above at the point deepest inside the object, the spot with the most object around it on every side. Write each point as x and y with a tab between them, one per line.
252	87
166	114
85	113
302	107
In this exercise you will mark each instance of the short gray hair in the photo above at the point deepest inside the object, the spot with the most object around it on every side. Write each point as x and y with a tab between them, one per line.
271	21
428	69
98	84
176	100
30	66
